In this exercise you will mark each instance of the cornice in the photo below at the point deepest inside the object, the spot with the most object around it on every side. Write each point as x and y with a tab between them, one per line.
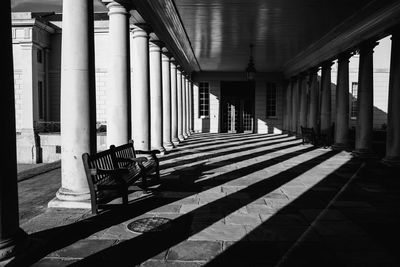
166	23
372	22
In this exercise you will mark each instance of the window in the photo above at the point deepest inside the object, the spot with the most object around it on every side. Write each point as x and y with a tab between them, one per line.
204	100
42	101
353	101
271	100
39	56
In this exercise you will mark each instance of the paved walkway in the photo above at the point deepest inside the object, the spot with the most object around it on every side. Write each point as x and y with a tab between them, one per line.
232	200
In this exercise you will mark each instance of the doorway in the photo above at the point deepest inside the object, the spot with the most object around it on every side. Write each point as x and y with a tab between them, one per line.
237	107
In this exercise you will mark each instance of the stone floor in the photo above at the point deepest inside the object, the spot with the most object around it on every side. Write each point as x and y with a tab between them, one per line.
232	200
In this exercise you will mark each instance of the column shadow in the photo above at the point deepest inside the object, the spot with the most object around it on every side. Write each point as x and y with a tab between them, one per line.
56	238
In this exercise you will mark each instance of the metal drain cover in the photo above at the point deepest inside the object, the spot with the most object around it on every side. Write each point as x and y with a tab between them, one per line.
151	224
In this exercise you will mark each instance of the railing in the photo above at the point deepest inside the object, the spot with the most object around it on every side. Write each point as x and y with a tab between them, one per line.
47	127
54	127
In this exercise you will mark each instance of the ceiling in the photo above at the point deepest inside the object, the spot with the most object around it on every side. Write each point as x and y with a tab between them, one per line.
288	35
220	31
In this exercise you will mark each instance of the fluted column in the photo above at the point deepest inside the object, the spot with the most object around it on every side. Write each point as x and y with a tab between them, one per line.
156	105
174	103
392	156
166	99
326	108
184	107
118	121
365	102
303	102
78	100
12	238
314	100
180	105
140	93
342	103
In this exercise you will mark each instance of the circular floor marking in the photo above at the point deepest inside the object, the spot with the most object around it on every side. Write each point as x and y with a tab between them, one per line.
150	224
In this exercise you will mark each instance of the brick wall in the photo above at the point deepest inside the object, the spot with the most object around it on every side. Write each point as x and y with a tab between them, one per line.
18	91
101	95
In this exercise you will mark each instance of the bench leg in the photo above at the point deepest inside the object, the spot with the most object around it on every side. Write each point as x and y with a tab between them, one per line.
144	181
125	196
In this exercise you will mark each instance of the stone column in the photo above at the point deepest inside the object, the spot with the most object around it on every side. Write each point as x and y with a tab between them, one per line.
326	109
288	106
156	105
303	102
118	121
295	106
78	102
342	103
187	107
174	103
180	105
191	120
392	156
166	100
12	238
365	102
184	107
140	93
314	100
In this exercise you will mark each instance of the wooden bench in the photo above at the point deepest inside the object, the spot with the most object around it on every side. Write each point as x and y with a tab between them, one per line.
127	153
108	179
308	135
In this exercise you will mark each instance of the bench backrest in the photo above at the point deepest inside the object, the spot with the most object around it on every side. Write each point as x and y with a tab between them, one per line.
102	160
126	151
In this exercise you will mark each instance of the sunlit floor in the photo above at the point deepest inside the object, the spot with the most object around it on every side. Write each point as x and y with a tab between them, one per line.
237	200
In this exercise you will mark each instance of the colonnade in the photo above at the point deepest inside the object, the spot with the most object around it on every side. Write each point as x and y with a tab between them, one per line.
152	108
308	105
151	105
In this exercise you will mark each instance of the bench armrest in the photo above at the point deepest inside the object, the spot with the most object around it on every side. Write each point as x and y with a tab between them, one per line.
130	160
98	171
151	152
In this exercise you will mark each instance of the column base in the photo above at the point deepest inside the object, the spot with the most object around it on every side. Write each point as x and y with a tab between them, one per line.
175	141
11	247
340	147
363	153
68	199
185	136
391	161
161	149
191	132
181	138
168	145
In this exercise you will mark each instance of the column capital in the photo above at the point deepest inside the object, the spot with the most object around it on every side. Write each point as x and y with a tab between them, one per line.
344	56
313	71
158	43
155	46
141	30
121	3
367	46
118	8
326	64
166	55
395	32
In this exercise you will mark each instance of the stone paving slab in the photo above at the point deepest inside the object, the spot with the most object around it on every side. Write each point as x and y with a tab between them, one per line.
234	204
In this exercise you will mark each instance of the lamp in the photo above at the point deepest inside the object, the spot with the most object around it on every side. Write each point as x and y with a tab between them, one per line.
251	70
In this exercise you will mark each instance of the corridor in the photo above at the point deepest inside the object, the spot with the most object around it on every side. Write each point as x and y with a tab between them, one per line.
235	200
